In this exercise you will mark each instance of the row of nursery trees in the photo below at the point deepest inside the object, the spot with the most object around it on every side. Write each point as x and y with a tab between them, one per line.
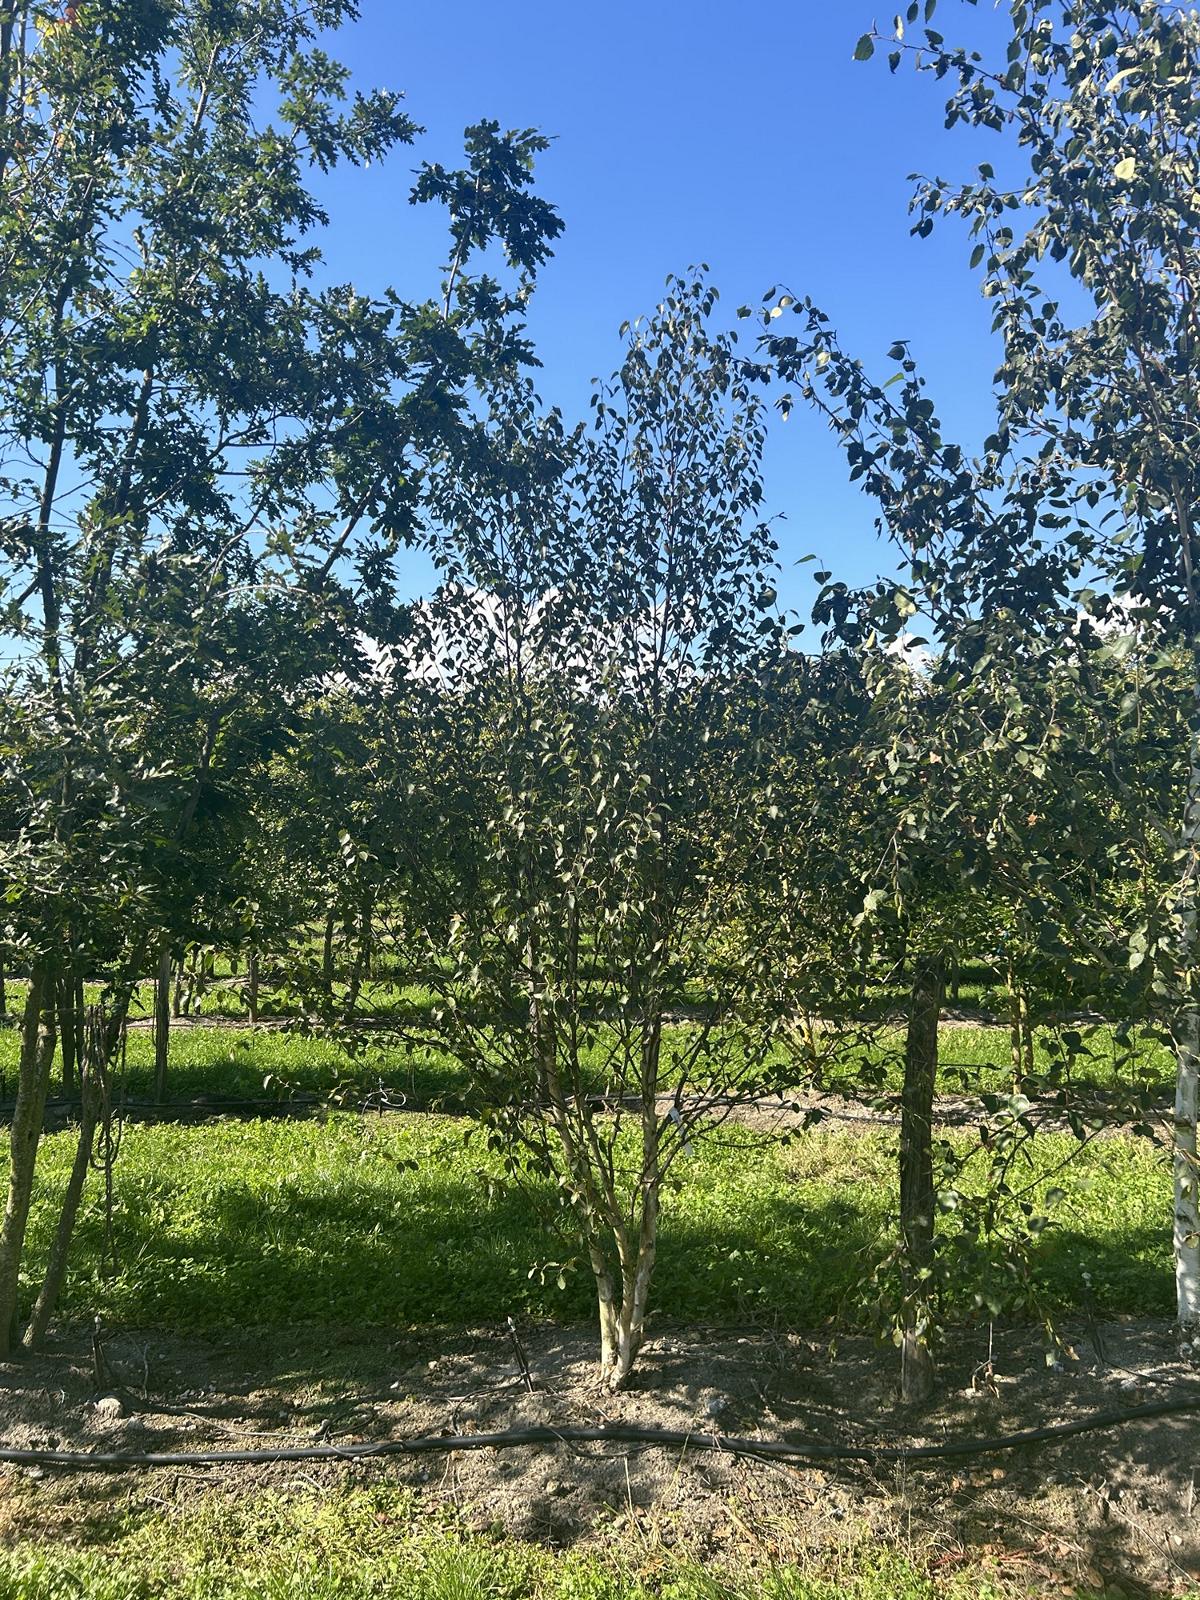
596	781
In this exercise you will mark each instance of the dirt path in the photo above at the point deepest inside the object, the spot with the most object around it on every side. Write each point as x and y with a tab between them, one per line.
1112	1508
1100	1115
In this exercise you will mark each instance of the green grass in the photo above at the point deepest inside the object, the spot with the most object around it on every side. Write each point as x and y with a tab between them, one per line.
223	998
278	1223
974	1058
235	1062
372	1544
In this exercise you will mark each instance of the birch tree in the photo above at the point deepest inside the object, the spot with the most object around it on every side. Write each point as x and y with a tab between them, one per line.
588	819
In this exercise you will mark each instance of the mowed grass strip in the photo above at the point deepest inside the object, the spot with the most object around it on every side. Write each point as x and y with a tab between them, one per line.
275	1224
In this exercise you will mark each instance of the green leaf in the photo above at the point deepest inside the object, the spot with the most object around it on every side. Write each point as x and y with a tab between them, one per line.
865	48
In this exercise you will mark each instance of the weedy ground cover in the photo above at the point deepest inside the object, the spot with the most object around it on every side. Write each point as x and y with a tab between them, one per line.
365	1544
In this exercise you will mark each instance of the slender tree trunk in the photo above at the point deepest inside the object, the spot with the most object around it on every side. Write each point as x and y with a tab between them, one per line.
327	955
1187	1046
68	1034
1187	1177
162	1021
628	1331
56	1265
1016	1035
362	955
3	993
916	1175
37	1054
610	1311
252	987
1027	1035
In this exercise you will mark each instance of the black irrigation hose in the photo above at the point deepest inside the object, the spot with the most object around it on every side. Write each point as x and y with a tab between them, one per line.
614	1433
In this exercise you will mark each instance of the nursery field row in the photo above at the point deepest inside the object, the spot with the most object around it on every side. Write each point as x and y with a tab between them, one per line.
248	1062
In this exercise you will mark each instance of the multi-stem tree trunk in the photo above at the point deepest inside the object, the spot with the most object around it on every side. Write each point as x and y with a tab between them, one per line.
56	1265
623	1320
623	1323
622	1284
37	1054
917	1200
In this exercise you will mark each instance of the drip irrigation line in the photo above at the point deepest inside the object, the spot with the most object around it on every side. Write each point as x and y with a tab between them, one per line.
612	1433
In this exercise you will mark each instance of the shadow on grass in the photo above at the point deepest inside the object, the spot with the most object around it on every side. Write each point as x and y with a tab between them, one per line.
438	1249
437	1253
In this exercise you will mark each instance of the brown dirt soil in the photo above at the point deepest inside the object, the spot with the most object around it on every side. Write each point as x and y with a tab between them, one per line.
1113	1508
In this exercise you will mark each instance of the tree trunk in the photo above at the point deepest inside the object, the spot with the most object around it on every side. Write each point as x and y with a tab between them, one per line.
1187	1176
610	1312
56	1265
916	1176
37	1054
361	967
1016	1033
68	1032
162	1022
3	993
637	1252
327	955
1187	1046
1027	1035
252	987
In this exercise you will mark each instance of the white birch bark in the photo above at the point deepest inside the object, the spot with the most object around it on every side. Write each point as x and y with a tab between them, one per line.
1187	1047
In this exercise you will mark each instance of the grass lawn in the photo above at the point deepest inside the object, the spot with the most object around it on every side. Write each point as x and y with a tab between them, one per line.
279	1223
236	1062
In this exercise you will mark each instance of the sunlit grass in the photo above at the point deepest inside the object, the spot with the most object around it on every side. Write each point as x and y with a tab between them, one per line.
272	1224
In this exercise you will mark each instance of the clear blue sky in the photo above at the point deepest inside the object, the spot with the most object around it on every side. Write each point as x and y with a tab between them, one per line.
742	136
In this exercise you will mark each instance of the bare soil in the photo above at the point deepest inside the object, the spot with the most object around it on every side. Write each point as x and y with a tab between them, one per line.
1116	1509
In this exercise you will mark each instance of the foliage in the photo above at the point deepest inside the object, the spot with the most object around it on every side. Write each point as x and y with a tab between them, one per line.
589	804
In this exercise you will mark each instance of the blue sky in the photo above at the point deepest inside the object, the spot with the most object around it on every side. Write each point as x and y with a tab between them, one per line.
744	137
